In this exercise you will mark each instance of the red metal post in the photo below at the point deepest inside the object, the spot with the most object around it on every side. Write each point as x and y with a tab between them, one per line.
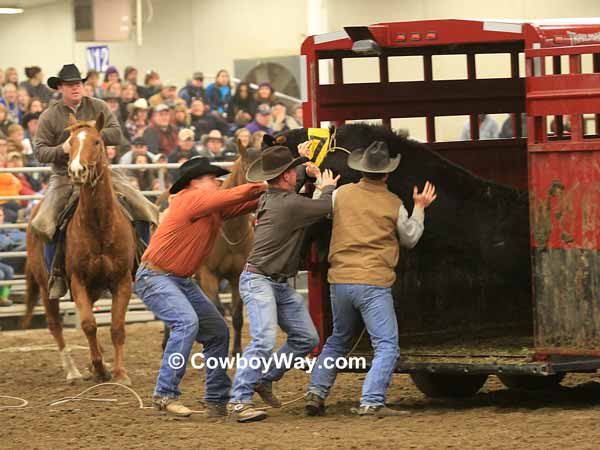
576	119
596	68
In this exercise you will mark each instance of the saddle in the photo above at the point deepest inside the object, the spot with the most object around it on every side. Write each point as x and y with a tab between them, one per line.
141	230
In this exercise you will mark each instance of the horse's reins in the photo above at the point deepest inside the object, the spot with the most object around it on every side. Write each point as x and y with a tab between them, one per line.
233	244
333	147
94	174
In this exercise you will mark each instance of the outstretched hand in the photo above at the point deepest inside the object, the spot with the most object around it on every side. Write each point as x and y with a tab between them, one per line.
425	198
328	180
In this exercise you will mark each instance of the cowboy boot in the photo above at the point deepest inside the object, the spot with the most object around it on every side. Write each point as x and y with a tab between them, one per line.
265	391
57	285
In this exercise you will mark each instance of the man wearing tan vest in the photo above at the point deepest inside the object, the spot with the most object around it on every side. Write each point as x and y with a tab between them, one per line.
369	222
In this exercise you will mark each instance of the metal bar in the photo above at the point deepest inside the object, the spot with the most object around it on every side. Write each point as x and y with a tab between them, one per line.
559	51
557	70
338	71
473	118
428	76
112	166
538	369
12	254
39	197
576	119
596	68
8	226
515	117
384	77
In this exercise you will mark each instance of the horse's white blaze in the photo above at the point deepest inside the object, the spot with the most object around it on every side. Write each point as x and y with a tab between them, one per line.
76	166
69	365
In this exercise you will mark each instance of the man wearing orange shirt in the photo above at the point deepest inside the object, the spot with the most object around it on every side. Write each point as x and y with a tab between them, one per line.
182	240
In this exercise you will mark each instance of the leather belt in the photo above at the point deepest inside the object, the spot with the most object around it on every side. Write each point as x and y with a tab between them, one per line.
154	268
275	278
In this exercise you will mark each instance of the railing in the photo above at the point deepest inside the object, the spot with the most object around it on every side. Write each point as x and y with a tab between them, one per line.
45	169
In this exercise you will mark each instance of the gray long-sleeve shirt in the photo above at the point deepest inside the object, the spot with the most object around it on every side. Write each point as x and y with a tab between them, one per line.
51	133
282	218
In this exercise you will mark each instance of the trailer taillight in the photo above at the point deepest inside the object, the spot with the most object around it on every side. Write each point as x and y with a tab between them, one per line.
415	36
431	35
401	37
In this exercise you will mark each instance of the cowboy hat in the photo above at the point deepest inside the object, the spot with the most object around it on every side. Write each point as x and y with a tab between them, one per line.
193	168
69	72
374	159
214	134
272	163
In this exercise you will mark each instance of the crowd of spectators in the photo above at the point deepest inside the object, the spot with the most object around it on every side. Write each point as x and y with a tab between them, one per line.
160	123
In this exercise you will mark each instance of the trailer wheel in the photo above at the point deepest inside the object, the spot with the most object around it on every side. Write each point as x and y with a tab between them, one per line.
436	385
532	382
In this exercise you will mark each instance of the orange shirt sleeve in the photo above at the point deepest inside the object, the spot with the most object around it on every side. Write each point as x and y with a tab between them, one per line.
204	203
238	210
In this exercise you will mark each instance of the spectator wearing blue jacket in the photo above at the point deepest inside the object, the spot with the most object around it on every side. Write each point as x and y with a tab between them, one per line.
218	93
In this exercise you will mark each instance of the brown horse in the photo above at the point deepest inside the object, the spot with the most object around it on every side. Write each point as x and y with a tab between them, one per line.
230	251
100	253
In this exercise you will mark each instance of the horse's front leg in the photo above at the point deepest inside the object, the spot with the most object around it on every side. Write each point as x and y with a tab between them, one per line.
120	302
83	301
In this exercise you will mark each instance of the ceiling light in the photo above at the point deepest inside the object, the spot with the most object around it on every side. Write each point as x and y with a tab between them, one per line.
11	10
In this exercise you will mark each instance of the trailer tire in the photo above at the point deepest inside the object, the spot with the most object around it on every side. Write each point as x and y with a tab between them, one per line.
532	382
439	385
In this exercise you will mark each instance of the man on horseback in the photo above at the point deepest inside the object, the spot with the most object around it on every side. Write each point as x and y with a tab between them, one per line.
51	145
181	242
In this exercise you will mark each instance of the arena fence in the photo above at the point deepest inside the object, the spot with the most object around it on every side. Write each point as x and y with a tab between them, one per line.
137	311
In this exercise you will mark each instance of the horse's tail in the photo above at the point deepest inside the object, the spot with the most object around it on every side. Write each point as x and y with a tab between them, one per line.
32	293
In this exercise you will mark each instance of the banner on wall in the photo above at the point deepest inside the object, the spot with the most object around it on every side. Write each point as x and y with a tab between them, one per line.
97	58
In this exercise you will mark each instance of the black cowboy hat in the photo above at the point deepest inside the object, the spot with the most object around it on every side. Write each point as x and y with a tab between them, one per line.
193	168
69	72
373	159
272	163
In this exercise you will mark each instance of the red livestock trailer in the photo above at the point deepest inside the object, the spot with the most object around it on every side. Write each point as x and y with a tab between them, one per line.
559	167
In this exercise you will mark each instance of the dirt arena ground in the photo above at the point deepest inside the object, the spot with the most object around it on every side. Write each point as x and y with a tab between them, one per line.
495	419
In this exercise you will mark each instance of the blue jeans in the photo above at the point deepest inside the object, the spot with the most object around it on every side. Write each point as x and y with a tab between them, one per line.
350	302
268	304
6	272
191	316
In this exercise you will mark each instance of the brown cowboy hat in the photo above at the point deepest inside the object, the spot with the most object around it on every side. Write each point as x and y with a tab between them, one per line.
373	159
272	163
69	72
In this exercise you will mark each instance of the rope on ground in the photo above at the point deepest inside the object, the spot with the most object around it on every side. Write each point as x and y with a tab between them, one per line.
284	404
79	396
23	404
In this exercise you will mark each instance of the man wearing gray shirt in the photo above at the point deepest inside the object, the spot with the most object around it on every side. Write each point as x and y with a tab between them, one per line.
282	218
